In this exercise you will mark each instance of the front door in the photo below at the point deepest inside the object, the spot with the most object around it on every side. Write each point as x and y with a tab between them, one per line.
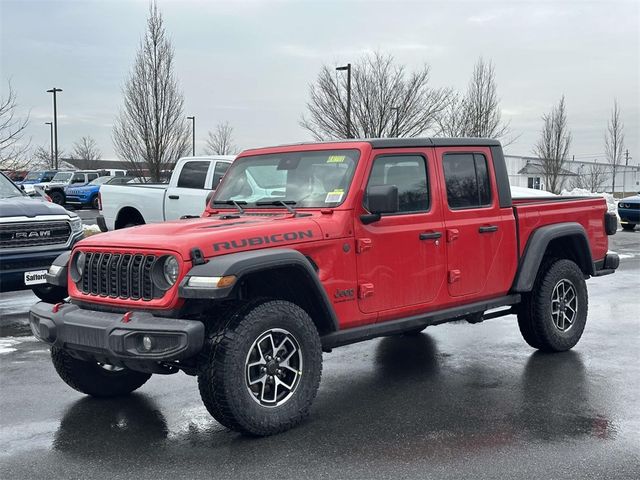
401	257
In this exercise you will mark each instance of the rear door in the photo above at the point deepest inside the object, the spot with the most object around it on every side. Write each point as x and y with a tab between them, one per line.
474	225
401	257
188	190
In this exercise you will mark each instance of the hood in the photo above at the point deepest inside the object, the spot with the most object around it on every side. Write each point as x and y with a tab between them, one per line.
633	199
29	207
214	235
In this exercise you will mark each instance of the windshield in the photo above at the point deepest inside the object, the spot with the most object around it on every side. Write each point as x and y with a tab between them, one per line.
100	180
8	189
62	177
33	176
305	179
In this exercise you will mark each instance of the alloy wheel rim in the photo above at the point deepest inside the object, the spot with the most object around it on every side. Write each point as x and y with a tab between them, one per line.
564	305
273	367
110	368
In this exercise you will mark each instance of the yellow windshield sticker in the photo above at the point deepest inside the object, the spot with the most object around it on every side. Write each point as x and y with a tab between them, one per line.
335	159
335	196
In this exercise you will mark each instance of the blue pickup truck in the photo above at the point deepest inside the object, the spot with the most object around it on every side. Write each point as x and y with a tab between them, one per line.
33	232
87	195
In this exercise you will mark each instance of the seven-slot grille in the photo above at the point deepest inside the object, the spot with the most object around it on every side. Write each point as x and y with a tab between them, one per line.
34	234
122	275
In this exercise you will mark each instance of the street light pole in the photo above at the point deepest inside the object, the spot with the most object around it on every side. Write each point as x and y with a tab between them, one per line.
193	135
347	67
51	142
55	90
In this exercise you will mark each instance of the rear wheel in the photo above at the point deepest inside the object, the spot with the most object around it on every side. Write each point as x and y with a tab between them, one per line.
628	226
261	373
95	379
553	315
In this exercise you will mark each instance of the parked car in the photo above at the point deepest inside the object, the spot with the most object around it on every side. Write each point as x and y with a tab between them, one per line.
34	177
87	195
33	233
55	188
629	212
191	181
338	243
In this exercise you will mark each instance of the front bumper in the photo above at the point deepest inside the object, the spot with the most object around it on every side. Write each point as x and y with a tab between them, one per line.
628	215
115	338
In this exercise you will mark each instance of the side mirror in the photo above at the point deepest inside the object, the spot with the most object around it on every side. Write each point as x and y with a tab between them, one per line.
380	199
22	187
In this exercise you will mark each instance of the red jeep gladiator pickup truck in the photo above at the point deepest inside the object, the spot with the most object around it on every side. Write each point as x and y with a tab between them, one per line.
304	248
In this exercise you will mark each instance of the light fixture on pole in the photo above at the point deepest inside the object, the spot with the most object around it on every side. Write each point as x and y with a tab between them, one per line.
55	90
347	67
193	135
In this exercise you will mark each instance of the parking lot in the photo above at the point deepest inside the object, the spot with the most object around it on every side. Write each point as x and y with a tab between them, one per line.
458	401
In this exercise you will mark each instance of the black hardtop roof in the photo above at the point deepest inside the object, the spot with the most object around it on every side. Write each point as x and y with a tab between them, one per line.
404	142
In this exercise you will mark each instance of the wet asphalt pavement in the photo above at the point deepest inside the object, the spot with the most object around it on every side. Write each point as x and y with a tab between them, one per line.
459	401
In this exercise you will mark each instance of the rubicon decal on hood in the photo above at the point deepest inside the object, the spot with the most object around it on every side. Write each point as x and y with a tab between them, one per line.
263	240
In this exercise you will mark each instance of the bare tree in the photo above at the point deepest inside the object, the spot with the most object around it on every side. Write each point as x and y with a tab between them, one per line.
86	151
12	129
614	142
386	101
477	113
151	131
553	147
220	141
593	178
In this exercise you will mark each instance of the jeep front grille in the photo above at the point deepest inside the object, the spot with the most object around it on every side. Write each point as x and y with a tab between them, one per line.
119	275
34	234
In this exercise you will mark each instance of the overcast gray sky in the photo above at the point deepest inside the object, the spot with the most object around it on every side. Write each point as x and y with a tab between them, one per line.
250	62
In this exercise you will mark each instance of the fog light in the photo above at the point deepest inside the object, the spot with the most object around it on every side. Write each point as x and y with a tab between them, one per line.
147	343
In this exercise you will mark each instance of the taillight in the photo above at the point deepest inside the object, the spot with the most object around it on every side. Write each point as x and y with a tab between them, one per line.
99	201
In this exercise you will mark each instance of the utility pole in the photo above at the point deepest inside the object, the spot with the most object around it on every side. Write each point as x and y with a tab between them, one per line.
624	174
55	90
193	135
51	143
347	67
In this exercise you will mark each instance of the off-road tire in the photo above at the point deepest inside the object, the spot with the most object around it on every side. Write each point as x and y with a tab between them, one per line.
50	293
222	371
57	197
93	379
628	226
534	313
95	204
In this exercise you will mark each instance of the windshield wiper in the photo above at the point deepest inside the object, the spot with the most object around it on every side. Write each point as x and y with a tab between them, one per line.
231	202
285	203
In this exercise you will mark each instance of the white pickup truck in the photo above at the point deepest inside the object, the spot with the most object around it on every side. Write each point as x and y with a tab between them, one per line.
135	204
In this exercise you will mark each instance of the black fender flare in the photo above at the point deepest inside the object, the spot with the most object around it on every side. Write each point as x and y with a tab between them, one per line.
242	264
537	246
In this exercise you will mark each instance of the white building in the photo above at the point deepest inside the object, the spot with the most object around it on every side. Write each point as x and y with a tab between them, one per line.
527	172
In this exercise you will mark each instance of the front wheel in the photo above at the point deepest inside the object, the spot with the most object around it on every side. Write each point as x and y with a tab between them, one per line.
95	379
95	203
57	197
553	315
261	373
628	226
50	293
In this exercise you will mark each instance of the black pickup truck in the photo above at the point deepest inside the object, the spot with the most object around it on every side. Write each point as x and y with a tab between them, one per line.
33	233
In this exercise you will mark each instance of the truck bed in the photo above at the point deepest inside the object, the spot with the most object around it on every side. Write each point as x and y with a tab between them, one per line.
535	212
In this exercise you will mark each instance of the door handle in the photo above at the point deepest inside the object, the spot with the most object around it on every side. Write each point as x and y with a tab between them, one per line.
430	236
488	229
174	197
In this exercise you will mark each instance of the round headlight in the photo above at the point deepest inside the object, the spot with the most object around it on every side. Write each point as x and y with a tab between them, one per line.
80	259
171	269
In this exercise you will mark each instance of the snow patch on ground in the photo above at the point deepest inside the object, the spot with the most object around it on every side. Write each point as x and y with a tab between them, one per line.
90	230
7	343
